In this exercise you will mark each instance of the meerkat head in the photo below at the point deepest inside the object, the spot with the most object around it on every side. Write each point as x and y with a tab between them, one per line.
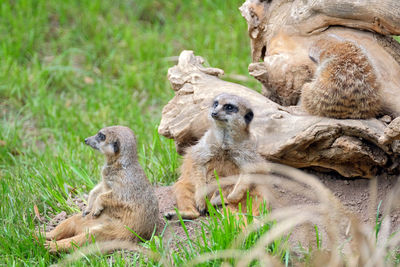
113	141
231	111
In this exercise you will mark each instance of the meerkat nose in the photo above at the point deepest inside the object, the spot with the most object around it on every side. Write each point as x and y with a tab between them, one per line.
214	114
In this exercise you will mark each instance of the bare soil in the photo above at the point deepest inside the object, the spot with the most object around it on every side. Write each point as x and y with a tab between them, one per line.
354	194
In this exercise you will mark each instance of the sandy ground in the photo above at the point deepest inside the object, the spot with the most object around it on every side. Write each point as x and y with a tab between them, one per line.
354	194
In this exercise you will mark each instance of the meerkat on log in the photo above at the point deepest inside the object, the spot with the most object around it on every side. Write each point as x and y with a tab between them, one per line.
122	202
225	148
345	84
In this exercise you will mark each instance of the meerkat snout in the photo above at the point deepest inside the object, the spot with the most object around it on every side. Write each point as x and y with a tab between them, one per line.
106	141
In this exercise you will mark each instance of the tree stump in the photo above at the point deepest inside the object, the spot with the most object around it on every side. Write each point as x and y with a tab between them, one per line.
353	148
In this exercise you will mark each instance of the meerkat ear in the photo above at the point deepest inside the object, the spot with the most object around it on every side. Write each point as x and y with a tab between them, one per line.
249	117
116	147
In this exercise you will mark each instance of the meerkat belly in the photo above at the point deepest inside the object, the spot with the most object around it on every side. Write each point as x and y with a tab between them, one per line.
222	166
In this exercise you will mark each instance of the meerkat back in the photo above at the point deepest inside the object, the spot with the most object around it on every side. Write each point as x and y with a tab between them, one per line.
345	85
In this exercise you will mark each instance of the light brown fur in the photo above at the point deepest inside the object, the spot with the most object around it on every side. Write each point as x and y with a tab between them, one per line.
345	85
123	199
224	148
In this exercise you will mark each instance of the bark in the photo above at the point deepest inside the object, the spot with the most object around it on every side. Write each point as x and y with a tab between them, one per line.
281	32
381	16
284	134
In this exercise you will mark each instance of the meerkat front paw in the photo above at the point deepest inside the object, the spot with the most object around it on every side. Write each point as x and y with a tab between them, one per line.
86	212
201	204
49	236
234	197
216	200
169	215
238	193
51	246
97	210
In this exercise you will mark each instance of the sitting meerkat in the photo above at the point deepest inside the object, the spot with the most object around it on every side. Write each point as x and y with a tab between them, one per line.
345	84
225	148
123	201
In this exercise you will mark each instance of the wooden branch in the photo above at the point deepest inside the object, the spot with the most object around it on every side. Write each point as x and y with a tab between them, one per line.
284	134
381	16
282	32
311	16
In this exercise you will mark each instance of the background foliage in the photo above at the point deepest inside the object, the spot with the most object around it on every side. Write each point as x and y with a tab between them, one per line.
69	68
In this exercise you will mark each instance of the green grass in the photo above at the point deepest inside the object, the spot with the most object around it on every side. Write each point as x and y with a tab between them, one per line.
69	68
214	235
219	233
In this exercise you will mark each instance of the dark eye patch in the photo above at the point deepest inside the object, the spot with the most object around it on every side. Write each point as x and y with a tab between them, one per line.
101	137
215	104
116	147
230	108
248	117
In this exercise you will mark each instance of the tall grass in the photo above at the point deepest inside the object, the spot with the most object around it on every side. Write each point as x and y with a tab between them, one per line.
213	236
69	68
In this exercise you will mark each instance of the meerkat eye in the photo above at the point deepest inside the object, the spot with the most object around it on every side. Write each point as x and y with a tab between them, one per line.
215	104
101	136
230	108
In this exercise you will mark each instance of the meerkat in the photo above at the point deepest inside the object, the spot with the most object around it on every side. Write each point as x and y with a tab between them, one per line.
124	200
224	148
345	84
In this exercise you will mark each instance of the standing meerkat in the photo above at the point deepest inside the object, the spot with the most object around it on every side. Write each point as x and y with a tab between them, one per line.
225	148
123	200
345	84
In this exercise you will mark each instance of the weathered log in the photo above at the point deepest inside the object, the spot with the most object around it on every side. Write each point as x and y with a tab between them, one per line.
284	134
281	33
392	132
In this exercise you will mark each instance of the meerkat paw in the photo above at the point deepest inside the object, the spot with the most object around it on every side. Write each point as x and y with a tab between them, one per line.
49	236
237	194
97	211
86	212
170	215
234	197
200	203
51	246
201	206
216	200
